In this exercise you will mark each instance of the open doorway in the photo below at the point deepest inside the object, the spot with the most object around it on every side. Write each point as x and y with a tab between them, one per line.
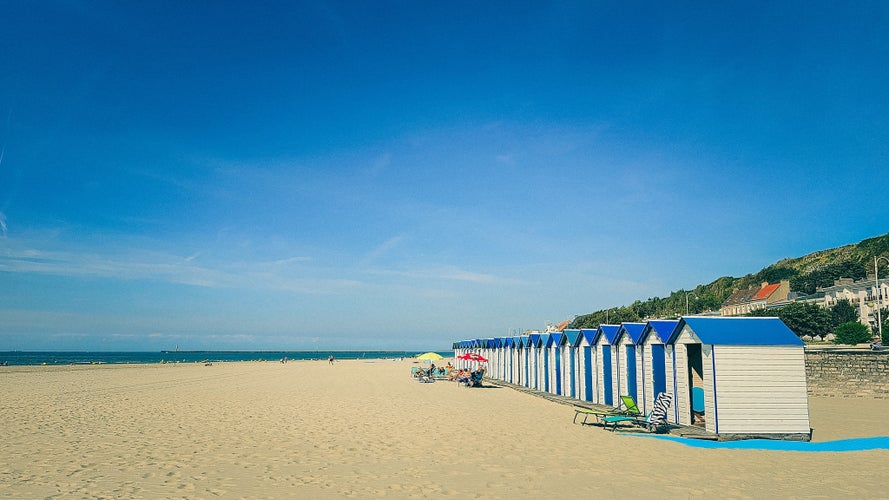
695	383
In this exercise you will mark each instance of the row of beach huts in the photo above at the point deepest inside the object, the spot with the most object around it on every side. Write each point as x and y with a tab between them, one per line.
734	378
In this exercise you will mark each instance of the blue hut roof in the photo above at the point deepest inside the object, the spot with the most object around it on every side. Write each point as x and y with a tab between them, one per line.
738	331
663	328
544	340
573	337
555	339
609	331
633	330
534	339
589	335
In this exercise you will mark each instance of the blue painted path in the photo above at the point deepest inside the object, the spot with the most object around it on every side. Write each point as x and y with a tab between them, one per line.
859	444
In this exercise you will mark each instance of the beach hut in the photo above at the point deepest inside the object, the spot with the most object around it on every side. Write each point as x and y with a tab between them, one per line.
504	359
543	353
571	362
654	362
606	368
516	352
628	368
534	361
508	350
589	378
495	361
488	353
556	365
526	360
739	377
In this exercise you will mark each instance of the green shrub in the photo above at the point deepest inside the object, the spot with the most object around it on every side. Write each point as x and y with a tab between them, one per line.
852	333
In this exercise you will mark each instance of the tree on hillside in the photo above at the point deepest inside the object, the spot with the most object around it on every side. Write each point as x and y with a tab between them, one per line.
827	274
806	274
843	312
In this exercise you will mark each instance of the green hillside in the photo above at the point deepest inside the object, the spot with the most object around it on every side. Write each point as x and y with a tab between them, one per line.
805	273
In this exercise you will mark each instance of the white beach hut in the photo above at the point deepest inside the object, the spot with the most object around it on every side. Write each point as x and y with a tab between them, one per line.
654	361
628	366
589	378
494	355
606	364
554	363
571	362
526	361
544	362
518	369
750	373
534	361
506	353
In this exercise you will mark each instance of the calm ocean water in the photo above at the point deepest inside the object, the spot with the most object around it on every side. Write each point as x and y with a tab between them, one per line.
68	358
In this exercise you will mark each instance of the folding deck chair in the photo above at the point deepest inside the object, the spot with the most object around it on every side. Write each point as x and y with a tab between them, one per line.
475	380
627	408
653	422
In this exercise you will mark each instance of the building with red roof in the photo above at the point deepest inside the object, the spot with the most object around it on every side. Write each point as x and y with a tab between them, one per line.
744	301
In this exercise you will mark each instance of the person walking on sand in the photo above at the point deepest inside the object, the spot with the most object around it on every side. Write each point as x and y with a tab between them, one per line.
330	359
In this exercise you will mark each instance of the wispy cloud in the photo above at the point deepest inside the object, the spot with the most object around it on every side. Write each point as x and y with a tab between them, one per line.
505	159
28	257
463	275
380	250
3	224
446	273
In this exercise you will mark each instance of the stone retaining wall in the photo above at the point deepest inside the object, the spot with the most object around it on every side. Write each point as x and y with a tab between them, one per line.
847	373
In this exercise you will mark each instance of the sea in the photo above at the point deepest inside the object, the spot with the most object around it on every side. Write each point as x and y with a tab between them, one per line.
31	358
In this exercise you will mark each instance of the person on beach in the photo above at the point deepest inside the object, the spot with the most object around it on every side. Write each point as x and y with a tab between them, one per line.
330	359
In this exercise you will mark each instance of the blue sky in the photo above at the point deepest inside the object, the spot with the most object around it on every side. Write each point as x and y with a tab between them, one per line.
400	175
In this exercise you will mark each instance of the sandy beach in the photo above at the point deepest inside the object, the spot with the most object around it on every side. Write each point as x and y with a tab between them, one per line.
365	429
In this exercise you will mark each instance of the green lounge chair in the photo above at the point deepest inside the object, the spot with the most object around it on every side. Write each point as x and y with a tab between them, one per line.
628	408
654	421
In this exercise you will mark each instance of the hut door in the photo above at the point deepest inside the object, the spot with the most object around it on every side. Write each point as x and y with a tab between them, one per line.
558	380
546	370
658	368
631	372
587	374
695	375
572	372
606	374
